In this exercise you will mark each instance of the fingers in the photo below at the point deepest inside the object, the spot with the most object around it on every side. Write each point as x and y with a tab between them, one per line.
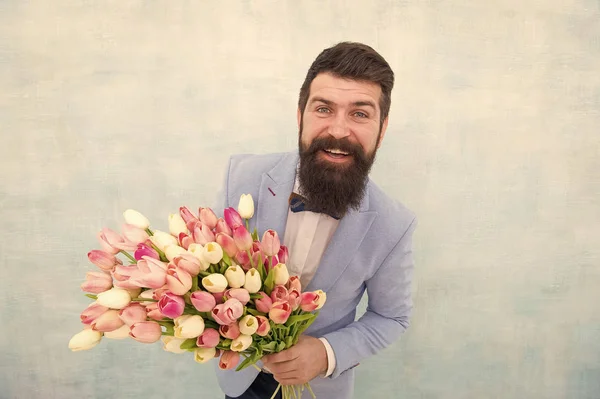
284	356
283	367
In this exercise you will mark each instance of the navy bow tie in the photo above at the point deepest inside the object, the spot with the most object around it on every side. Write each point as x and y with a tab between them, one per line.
299	204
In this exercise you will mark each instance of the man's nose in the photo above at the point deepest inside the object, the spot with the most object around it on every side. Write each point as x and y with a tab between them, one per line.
339	127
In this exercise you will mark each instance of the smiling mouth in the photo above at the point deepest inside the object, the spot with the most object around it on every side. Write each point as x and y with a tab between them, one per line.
335	153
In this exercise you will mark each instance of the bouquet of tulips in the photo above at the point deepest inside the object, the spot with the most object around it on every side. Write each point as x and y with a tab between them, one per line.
208	287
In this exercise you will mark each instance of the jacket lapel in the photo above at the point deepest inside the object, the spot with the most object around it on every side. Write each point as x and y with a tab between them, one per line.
273	195
342	248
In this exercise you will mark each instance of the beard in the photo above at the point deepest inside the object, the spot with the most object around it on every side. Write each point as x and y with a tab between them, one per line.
330	187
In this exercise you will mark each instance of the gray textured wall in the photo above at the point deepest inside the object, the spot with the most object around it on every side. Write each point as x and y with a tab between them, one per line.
493	142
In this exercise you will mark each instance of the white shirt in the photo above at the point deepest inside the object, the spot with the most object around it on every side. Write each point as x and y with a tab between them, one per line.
307	234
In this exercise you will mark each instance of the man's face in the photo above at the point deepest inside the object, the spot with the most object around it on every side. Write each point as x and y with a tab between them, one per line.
339	134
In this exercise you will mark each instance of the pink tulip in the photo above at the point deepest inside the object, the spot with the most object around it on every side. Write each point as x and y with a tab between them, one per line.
218	296
227	243
242	238
145	250
208	339
107	321
263	304
203	301
309	301
222	227
208	217
92	312
150	273
270	243
279	294
179	281
108	239
232	218
228	312
202	234
294	298
187	215
256	256
231	331
283	254
294	284
153	312
104	260
133	313
187	262
185	240
97	282
171	305
280	312
146	332
134	234
241	294
263	326
243	260
158	293
229	360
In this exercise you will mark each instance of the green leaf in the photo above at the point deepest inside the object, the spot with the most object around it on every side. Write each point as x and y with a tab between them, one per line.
226	259
271	346
188	344
255	235
270	282
289	341
299	318
254	312
280	346
247	362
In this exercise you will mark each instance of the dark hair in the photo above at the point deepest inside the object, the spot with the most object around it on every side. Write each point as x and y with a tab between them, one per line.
355	61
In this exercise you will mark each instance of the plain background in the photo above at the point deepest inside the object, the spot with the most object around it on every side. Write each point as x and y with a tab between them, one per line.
494	142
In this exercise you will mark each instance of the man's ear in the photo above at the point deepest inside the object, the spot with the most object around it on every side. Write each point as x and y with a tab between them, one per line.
384	126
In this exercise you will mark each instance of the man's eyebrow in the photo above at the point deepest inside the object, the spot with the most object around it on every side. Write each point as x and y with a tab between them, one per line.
321	100
356	103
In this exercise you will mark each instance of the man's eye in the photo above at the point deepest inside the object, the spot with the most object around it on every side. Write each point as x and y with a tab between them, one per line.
323	109
361	114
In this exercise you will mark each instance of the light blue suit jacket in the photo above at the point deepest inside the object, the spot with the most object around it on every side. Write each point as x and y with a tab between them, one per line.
371	249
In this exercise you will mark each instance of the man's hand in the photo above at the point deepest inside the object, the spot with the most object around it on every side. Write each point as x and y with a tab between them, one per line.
299	364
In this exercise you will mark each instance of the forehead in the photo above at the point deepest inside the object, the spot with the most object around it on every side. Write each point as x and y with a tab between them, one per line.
342	91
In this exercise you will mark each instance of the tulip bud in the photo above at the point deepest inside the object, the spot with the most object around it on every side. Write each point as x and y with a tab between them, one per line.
189	326
173	344
137	219
120	333
171	305
263	304
208	217
176	225
241	343
280	312
97	282
203	355
104	260
109	240
235	276
179	282
253	283
133	313
213	253
92	312
242	238
144	250
134	234
229	360
279	294
230	331
85	340
322	298
171	251
203	301
115	298
294	284
215	282
232	218
248	325
227	243
208	339
222	227
107	321
270	243
198	250
241	294
283	254
263	326
146	332
246	206
162	239
281	274
187	262
187	215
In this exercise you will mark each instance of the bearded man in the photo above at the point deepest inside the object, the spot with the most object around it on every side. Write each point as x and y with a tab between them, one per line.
345	235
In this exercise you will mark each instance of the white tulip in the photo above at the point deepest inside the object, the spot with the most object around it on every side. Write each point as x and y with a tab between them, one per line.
115	298
162	240
173	344
177	224
281	274
322	298
198	251
241	343
171	251
214	283
248	325
189	326
235	276
85	340
120	333
135	218
246	206
253	282
212	253
203	355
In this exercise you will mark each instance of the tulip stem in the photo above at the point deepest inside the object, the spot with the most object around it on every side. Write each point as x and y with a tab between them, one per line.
195	283
131	258
249	256
139	299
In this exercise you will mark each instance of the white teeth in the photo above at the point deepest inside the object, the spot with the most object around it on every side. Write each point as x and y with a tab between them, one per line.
336	151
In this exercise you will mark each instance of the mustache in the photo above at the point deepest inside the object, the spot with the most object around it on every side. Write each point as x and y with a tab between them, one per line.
342	144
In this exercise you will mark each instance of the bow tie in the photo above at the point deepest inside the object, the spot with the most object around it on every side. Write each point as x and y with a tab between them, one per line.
299	204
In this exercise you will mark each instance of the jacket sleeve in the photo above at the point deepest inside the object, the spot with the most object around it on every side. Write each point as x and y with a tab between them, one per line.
388	311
